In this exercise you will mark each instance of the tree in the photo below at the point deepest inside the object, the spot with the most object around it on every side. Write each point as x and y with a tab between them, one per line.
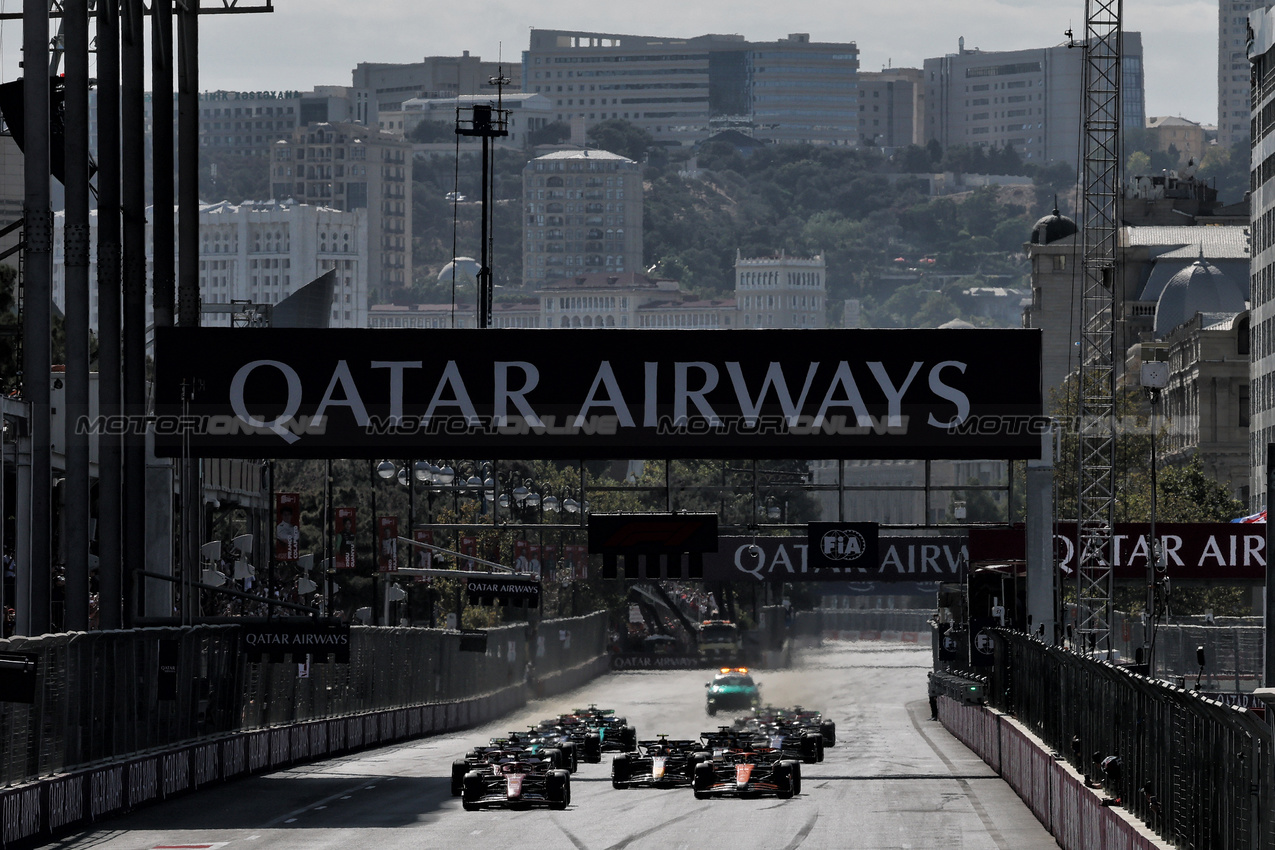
551	133
429	132
621	137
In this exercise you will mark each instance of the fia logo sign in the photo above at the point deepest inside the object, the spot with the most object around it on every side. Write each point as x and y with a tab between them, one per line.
843	544
847	546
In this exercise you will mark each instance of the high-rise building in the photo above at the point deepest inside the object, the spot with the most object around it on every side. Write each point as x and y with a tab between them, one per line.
681	90
260	253
381	86
891	107
582	213
350	167
1030	99
1261	54
1233	86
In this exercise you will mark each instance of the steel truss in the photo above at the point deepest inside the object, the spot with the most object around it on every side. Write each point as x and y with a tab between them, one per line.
1101	221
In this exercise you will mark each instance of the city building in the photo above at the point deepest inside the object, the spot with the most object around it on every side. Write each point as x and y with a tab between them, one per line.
1234	87
1261	54
258	253
248	123
1030	99
892	107
1173	134
1169	222
682	90
383	87
583	214
781	292
350	167
1206	404
527	113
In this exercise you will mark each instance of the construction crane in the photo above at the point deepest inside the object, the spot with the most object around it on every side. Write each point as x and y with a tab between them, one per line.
1097	391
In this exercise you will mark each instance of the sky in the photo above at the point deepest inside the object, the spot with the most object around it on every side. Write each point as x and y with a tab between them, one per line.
305	43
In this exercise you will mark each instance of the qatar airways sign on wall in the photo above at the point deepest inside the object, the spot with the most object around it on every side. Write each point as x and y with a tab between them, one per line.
600	393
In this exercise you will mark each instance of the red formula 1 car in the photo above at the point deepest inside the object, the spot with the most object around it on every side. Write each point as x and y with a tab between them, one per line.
748	773
517	784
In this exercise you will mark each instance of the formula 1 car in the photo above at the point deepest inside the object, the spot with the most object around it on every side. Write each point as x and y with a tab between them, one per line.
783	731
594	731
748	773
814	720
660	763
517	783
513	747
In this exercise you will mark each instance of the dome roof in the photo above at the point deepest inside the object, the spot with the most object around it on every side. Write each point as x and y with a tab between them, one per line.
1053	227
1199	288
466	270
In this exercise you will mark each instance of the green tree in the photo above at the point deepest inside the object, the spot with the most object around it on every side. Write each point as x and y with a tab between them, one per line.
621	137
551	133
431	132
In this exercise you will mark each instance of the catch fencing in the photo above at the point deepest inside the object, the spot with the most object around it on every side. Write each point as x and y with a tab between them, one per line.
99	696
1196	772
864	624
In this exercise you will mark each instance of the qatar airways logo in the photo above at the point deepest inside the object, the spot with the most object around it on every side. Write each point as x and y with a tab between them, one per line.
681	396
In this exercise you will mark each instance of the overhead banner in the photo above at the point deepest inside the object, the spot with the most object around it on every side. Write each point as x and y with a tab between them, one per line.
781	393
781	559
1192	550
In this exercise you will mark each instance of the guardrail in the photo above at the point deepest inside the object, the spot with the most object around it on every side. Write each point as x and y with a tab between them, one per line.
98	694
1196	772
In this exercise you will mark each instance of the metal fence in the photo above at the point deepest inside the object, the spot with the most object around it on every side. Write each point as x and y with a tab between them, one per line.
1233	651
98	695
823	620
1196	772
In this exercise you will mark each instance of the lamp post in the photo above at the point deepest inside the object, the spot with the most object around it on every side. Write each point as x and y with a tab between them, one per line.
1154	378
385	470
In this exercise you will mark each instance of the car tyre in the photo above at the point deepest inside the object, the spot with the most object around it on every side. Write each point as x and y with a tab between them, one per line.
810	749
784	779
796	776
593	748
460	767
472	791
558	789
628	737
619	771
703	780
572	757
829	731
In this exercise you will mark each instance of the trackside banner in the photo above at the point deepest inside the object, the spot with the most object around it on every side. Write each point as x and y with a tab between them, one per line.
601	393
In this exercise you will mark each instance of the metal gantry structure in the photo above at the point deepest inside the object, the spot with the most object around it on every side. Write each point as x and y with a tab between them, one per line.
122	280
1097	389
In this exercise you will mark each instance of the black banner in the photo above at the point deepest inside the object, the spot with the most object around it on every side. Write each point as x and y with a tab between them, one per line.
969	393
490	591
297	639
844	545
781	559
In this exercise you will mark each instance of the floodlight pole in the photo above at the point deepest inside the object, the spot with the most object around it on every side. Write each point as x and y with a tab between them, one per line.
487	123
